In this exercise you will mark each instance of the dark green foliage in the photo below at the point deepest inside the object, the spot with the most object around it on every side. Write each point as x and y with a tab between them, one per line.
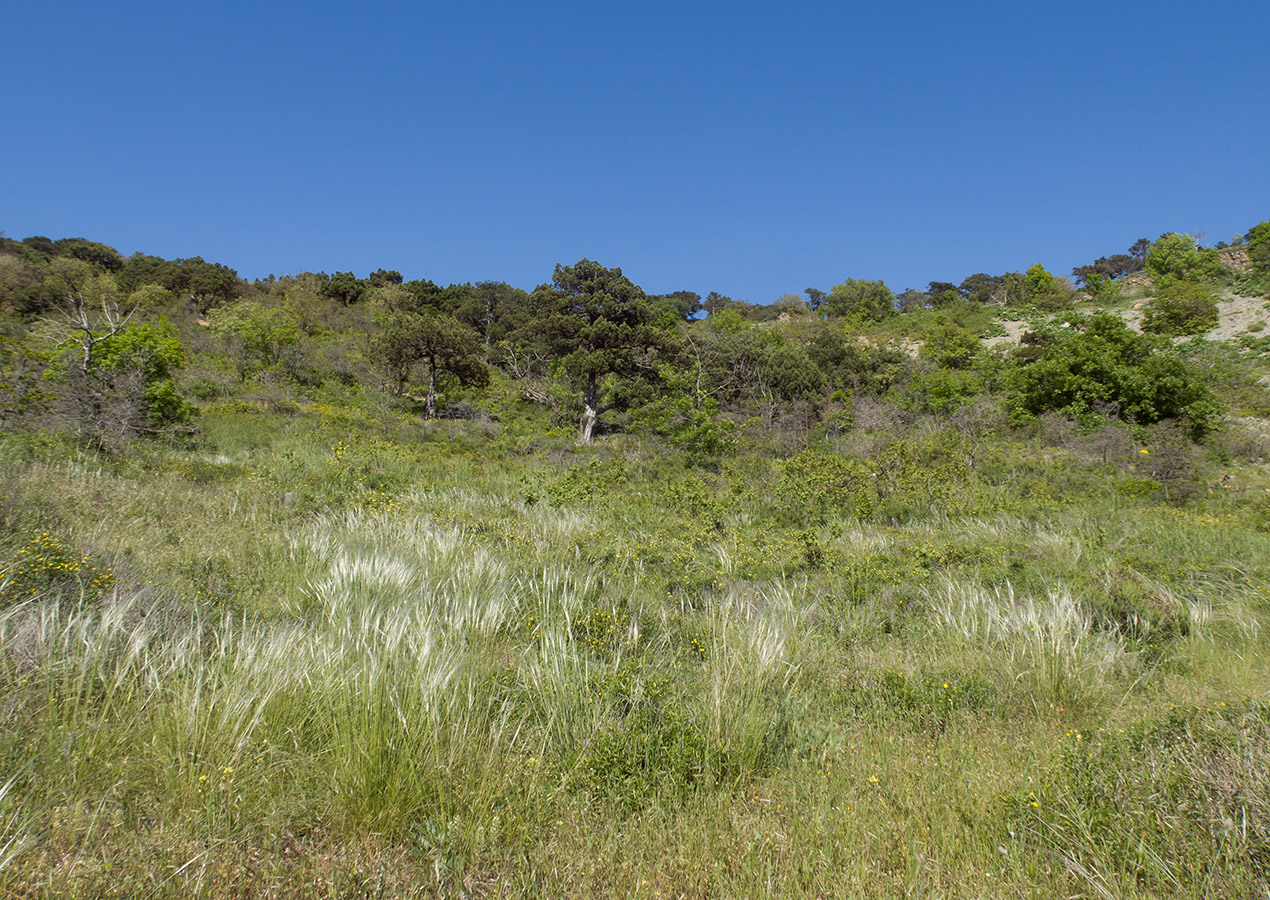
1107	369
443	345
1107	268
863	368
347	288
982	288
1181	308
595	322
943	293
100	256
792	375
682	306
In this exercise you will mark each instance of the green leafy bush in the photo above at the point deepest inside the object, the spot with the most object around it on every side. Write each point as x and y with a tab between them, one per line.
815	485
1181	308
1107	369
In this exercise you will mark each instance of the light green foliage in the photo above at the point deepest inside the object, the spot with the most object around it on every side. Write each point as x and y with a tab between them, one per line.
260	338
1181	308
151	355
949	345
687	419
1176	257
859	300
331	647
1040	280
816	485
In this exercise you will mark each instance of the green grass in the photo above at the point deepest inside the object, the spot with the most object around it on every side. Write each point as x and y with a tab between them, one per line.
331	653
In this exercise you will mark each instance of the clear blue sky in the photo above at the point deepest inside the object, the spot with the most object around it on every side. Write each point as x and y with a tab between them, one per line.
755	149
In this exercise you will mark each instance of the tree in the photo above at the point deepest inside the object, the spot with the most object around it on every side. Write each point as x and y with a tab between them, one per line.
443	344
815	297
793	375
982	288
596	323
949	345
99	256
943	293
260	337
89	311
347	288
1107	268
682	306
1039	279
1258	241
207	285
1176	257
861	300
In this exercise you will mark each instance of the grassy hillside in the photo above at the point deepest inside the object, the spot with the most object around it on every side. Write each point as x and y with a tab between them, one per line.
910	637
331	652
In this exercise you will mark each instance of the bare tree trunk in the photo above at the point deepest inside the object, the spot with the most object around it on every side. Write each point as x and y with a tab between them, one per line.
430	404
590	412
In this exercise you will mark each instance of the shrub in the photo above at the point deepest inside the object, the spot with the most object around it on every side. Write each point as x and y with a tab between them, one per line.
1181	308
1106	369
815	485
1176	257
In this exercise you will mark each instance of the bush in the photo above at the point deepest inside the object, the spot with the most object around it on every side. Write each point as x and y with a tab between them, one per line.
1181	308
1176	257
1106	369
815	485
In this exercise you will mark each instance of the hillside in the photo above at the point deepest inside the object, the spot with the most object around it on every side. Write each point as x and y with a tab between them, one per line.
328	586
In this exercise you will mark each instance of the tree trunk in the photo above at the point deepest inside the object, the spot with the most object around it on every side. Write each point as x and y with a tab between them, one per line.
590	412
430	404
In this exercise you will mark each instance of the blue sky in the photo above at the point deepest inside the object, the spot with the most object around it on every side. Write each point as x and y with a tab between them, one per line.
754	149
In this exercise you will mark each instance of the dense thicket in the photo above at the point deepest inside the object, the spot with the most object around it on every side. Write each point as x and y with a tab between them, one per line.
591	341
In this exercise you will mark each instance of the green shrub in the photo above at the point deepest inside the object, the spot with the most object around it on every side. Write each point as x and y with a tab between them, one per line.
1180	309
1106	369
815	485
585	485
47	564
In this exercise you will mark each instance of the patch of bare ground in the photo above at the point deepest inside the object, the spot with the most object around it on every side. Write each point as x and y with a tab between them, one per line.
1014	334
1236	313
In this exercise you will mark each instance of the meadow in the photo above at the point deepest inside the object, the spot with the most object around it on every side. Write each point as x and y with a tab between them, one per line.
326	649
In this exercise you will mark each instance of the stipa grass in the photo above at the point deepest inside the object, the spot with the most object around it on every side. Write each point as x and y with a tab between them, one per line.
1047	645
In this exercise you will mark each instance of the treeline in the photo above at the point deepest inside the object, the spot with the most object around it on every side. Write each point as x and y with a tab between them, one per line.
111	347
